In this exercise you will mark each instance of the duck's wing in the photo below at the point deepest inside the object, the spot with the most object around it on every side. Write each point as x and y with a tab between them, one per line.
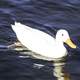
21	28
32	35
49	30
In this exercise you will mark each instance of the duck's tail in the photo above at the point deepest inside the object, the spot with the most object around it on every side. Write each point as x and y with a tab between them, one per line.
20	27
17	26
14	26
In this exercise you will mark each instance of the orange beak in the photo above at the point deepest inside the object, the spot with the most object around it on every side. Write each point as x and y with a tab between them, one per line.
70	43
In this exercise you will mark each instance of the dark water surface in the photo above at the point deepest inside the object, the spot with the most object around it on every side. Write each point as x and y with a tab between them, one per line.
48	16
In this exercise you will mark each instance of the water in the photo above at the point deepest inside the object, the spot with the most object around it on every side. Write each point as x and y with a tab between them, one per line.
48	16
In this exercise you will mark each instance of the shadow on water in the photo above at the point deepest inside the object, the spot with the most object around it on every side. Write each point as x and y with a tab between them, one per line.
48	16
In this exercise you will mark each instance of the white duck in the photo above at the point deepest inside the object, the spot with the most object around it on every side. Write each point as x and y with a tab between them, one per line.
41	42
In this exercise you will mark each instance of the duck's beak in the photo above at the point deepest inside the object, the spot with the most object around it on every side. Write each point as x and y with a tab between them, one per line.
70	43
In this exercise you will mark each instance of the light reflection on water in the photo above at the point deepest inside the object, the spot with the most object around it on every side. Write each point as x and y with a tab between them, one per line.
58	71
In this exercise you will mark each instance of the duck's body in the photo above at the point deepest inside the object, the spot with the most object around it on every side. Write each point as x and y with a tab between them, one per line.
39	42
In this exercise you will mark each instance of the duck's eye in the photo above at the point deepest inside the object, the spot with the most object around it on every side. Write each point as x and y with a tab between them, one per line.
62	34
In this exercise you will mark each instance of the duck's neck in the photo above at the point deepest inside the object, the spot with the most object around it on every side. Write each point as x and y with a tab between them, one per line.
59	42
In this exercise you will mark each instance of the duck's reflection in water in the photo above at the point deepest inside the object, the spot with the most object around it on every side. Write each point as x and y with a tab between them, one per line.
58	64
58	71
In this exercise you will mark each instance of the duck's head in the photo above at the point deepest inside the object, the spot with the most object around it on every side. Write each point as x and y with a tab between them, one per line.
63	36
